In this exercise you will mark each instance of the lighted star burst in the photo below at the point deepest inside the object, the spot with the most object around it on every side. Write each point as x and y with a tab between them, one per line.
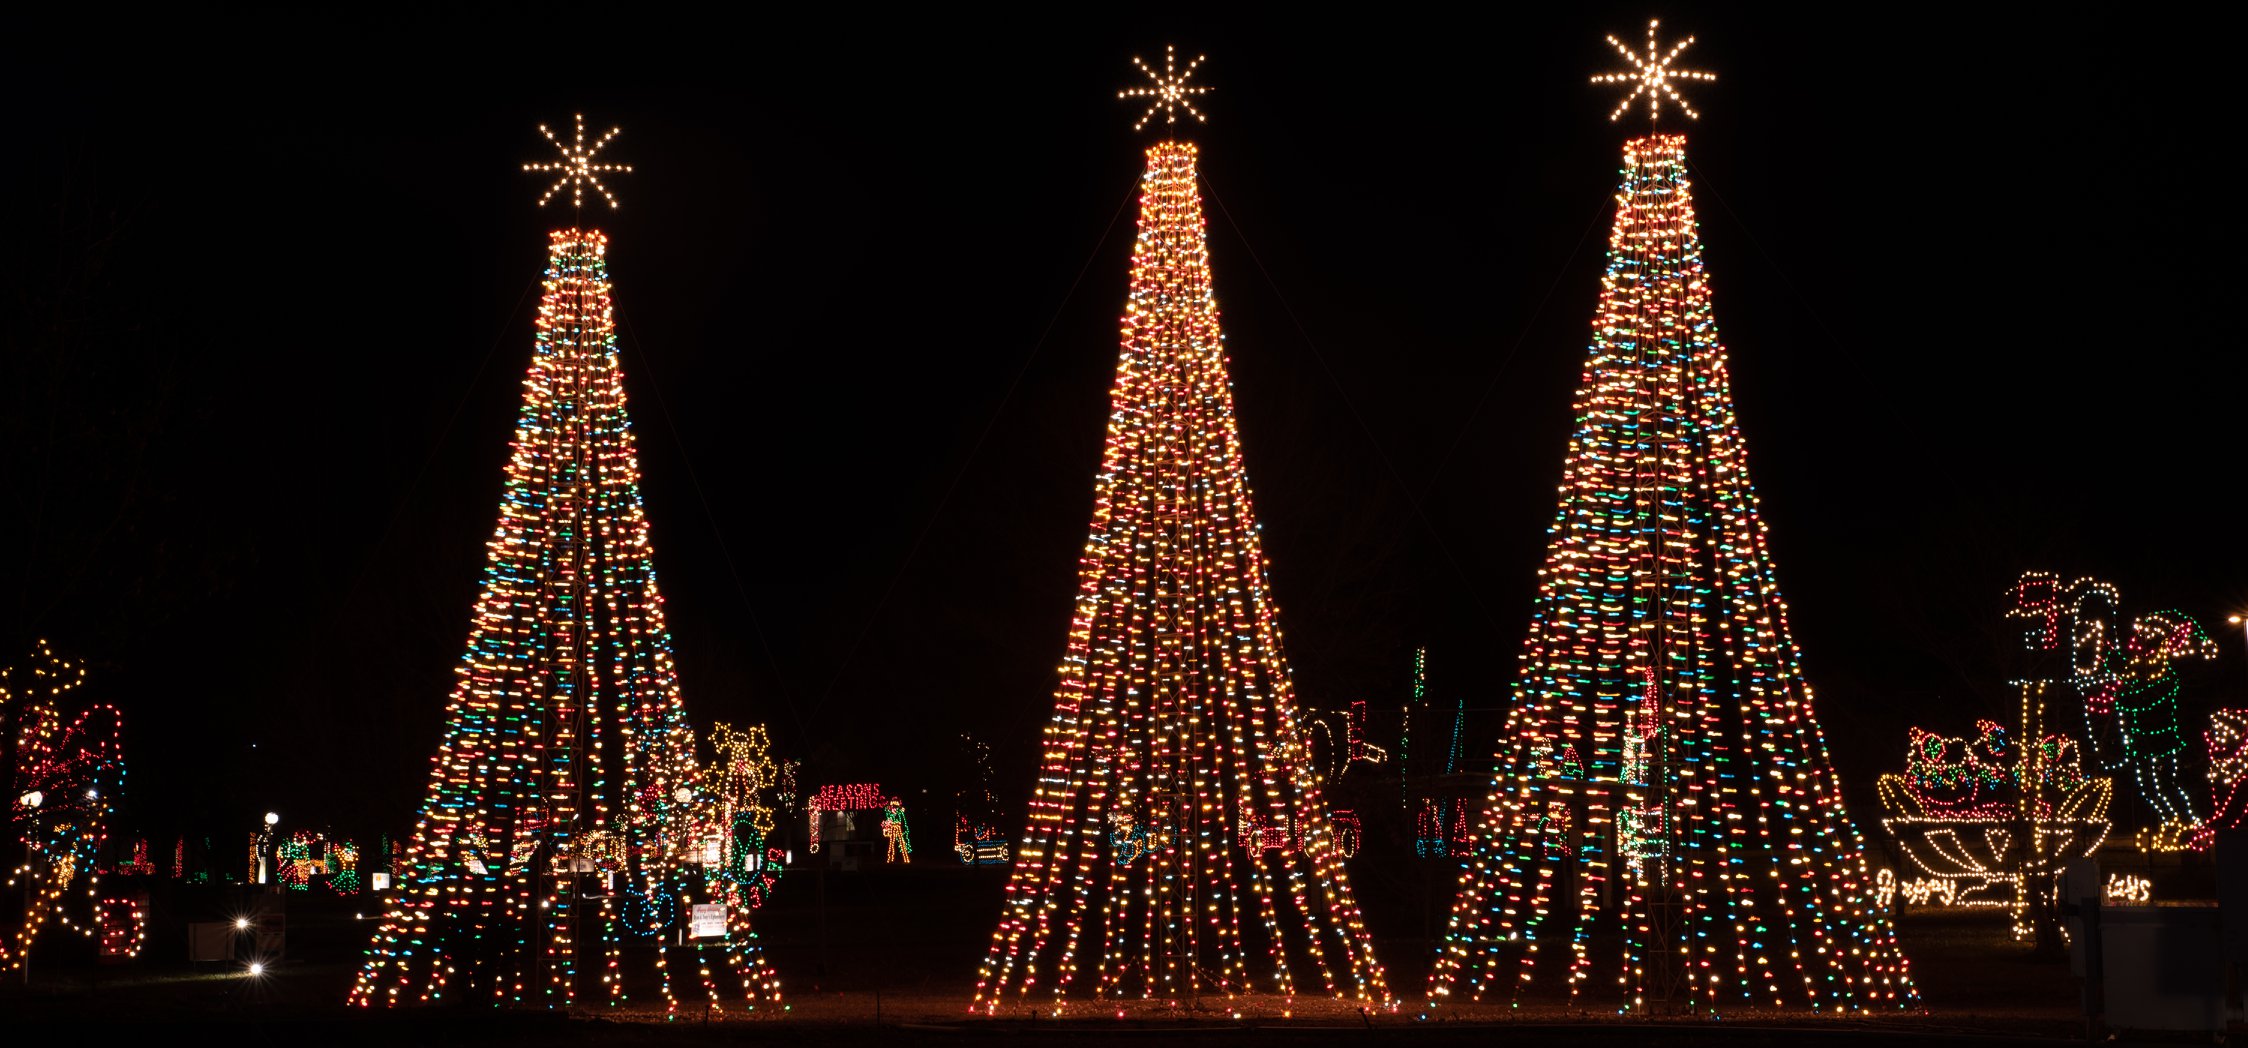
576	169
1651	75
1169	92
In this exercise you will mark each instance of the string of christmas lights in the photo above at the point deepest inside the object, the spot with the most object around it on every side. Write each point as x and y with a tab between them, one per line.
2227	743
1662	782
566	815
897	834
1959	811
66	774
2128	682
1175	718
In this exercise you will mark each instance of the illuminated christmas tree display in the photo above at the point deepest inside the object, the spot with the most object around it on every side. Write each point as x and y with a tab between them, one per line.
1664	819
1178	849
65	772
567	823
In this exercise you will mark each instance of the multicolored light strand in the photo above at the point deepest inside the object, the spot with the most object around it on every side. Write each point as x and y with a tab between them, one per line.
1175	719
897	834
566	813
2227	742
1662	782
66	774
1994	819
2129	684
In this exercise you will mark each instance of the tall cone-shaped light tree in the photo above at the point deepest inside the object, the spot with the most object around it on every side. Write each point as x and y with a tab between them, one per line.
1178	851
1662	784
567	819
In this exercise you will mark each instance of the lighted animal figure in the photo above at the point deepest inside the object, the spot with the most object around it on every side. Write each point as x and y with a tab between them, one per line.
894	831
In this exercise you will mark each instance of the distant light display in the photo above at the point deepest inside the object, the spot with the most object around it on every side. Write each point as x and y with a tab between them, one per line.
897	833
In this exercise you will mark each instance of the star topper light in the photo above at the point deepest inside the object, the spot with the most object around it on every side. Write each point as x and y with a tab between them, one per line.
576	168
1169	92
1651	75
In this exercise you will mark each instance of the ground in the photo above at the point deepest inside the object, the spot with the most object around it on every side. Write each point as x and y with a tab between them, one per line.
890	955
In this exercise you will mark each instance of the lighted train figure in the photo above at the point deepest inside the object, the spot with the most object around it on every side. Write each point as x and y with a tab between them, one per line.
978	845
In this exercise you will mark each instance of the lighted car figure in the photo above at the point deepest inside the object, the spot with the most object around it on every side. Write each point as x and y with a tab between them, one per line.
979	845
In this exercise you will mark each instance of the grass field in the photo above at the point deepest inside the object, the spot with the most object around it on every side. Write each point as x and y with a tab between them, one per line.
890	955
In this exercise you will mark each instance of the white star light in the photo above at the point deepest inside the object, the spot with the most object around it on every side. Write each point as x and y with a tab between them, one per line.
1651	76
1169	92
576	169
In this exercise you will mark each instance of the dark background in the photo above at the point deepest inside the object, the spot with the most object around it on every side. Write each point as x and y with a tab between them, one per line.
268	291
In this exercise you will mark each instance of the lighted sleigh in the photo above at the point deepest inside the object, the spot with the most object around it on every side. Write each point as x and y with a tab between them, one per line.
1961	818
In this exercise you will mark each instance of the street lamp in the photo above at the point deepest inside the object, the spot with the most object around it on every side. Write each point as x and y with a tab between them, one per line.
264	846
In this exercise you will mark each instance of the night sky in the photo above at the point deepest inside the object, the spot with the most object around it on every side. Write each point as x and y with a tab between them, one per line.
269	289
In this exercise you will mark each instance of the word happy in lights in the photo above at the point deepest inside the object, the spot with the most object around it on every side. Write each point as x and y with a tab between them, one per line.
1651	76
576	168
1169	92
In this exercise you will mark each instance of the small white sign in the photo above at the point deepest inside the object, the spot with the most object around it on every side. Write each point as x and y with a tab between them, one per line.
706	920
711	851
382	880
